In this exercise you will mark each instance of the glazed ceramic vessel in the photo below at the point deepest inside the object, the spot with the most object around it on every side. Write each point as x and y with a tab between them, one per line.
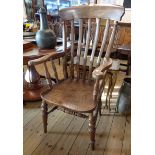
45	37
124	98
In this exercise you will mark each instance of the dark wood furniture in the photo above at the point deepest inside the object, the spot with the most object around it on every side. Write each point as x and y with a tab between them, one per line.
125	50
33	84
124	43
81	94
27	45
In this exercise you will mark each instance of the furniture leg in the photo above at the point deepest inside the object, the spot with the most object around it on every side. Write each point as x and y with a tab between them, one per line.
92	130
114	78
44	108
99	108
32	78
109	87
32	85
128	65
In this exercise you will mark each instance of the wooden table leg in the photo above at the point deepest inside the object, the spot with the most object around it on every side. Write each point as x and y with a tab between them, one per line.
32	85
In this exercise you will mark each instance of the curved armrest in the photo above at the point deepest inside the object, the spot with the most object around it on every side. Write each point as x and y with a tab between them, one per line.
45	58
99	71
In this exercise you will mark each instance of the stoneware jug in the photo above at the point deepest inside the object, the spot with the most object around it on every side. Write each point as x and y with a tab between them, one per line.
124	98
45	37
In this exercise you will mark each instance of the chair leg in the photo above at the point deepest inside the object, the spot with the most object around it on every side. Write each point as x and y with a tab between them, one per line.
92	122
44	108
128	65
114	79
100	107
109	88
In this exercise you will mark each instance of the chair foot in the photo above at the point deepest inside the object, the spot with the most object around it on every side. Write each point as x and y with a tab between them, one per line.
93	146
100	107
92	122
44	108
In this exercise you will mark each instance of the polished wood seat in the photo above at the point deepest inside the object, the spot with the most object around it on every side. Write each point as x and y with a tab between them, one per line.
78	95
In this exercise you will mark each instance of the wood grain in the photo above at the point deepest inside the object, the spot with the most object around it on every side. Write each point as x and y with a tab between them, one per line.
116	136
126	149
65	144
38	136
53	136
80	101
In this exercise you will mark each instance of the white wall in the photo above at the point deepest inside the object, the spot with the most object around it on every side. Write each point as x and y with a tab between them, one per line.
117	2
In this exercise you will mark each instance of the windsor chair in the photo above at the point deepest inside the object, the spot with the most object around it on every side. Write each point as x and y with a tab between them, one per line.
78	94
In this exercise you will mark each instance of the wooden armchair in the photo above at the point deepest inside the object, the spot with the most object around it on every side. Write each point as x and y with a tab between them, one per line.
77	94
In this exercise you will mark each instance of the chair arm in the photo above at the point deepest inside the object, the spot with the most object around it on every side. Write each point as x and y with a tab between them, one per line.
98	72
45	58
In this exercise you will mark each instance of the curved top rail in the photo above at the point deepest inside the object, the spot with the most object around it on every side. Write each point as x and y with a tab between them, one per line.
104	11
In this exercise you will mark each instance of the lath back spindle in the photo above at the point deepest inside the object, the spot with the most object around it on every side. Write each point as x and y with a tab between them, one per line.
47	75
50	72
94	47
64	33
86	48
85	58
79	47
54	71
72	48
106	31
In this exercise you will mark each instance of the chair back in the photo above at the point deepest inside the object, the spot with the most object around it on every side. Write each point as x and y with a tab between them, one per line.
89	17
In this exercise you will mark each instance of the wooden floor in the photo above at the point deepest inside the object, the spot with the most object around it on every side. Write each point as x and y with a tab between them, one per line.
68	135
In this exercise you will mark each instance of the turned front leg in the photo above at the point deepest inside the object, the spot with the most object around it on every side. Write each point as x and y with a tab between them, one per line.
44	108
100	107
92	130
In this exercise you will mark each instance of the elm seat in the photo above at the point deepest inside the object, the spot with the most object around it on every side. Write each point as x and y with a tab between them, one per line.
78	95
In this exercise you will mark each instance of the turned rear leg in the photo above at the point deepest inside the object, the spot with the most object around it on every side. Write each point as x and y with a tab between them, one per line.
44	108
92	122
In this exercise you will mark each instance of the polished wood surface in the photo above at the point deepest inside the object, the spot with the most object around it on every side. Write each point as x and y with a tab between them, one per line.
33	85
32	95
76	95
34	52
77	101
27	45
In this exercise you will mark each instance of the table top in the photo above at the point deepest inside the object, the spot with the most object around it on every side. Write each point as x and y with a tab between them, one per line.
34	52
29	34
33	40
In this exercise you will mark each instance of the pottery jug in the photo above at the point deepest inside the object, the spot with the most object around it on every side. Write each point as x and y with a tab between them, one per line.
45	37
124	98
